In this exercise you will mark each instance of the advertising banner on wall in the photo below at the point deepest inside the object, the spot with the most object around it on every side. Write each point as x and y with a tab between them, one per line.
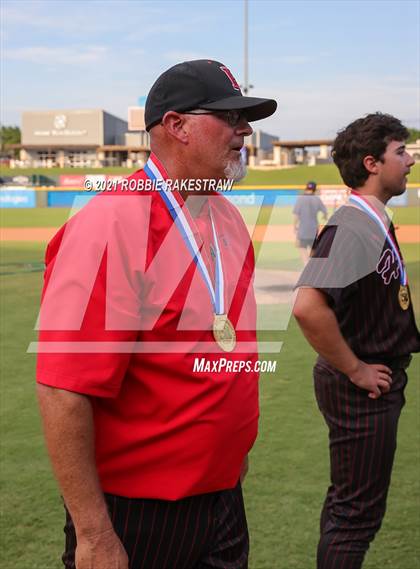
17	196
260	196
71	181
334	197
78	181
63	199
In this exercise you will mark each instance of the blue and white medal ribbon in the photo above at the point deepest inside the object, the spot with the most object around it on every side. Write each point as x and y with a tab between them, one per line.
223	330
361	203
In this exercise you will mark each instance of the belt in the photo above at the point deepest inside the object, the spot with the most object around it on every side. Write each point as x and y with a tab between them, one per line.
401	362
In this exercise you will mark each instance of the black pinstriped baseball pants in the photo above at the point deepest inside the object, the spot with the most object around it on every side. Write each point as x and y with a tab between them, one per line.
363	436
200	532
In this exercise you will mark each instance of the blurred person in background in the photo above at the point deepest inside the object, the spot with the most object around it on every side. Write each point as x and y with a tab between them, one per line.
305	212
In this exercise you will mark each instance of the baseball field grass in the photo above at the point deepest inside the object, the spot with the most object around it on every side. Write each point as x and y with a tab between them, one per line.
321	173
289	470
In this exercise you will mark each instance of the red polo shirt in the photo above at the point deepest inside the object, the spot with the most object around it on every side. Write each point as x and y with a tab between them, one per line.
125	314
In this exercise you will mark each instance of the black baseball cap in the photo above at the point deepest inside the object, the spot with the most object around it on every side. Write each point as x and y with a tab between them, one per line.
311	186
201	84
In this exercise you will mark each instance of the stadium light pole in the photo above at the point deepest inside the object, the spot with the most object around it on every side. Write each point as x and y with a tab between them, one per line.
246	87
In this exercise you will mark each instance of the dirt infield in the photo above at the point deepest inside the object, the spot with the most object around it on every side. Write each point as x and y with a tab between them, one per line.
286	234
270	234
27	233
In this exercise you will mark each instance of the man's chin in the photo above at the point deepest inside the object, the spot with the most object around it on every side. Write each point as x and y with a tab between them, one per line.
401	190
235	170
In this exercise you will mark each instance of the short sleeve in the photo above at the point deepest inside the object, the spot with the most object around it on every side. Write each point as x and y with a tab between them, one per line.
90	305
347	250
334	265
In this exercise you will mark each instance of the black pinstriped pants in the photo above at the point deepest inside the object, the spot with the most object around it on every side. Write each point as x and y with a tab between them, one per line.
199	532
363	436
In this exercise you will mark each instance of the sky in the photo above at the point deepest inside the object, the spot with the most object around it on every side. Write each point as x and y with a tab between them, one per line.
325	62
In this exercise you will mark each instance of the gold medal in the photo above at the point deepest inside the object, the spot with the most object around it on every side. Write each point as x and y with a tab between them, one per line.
224	332
404	297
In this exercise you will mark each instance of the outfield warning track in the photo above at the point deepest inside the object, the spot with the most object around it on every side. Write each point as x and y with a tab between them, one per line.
268	234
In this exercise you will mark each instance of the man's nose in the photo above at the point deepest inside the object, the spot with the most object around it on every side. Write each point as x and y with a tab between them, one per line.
410	160
243	127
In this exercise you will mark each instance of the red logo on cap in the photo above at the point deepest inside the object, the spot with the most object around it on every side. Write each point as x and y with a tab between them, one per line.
231	77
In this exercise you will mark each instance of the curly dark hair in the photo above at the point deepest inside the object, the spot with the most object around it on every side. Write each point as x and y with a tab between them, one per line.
369	135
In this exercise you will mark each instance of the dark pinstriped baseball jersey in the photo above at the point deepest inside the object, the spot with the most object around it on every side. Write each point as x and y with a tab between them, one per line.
366	305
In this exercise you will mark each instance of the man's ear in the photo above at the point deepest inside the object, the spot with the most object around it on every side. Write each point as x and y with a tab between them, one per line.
174	124
371	164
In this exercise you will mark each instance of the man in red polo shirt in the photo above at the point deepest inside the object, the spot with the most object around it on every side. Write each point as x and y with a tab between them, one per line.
140	287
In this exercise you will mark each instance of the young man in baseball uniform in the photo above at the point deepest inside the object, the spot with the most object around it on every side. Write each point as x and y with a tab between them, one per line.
355	309
148	453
